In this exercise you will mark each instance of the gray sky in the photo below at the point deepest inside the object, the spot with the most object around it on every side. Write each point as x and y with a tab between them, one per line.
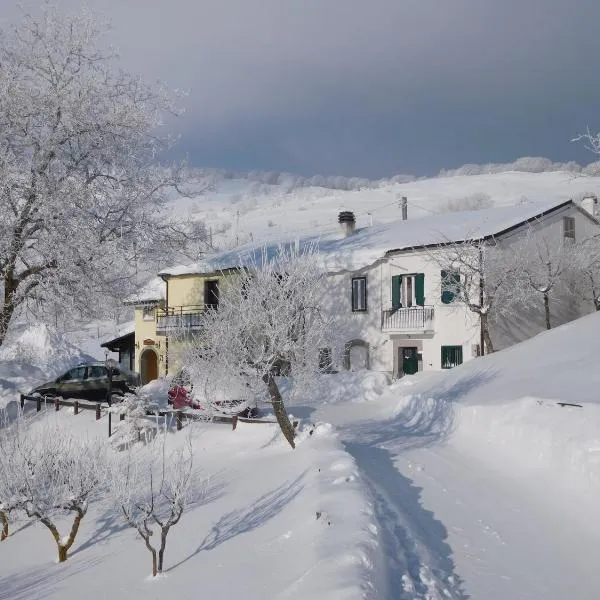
367	88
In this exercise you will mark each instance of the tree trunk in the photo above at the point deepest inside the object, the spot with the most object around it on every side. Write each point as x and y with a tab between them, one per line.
485	334
163	543
8	306
547	311
279	409
73	533
4	523
63	548
146	538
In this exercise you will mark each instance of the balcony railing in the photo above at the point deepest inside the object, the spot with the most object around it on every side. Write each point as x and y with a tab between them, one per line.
179	319
412	318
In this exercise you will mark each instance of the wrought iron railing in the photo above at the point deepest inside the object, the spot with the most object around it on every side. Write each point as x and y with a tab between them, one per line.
412	318
175	319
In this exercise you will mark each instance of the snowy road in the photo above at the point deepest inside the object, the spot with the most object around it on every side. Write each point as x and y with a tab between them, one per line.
454	524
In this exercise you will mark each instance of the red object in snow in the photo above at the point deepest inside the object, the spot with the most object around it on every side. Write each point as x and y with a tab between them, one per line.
180	397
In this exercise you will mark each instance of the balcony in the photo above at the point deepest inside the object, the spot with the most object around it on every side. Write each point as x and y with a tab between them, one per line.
179	319
413	319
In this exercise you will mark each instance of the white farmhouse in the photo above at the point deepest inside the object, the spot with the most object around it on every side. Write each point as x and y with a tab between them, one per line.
384	292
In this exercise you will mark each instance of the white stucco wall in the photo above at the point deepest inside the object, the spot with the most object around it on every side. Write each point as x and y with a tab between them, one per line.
454	324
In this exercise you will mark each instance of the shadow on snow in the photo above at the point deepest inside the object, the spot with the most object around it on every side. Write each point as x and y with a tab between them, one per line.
414	542
252	516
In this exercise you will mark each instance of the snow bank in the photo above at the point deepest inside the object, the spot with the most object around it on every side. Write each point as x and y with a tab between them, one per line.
33	356
512	408
43	347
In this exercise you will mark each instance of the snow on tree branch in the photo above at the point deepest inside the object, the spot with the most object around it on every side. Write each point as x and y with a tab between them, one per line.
269	321
48	473
152	489
81	198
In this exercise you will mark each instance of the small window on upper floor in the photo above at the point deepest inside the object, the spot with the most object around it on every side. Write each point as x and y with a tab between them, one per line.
359	294
569	228
148	313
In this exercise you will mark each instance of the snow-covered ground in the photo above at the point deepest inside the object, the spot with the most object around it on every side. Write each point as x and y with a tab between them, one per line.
239	211
470	483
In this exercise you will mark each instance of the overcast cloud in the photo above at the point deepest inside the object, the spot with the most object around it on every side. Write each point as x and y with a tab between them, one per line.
367	88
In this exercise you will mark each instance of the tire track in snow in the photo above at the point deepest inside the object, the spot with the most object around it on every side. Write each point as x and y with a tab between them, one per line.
419	560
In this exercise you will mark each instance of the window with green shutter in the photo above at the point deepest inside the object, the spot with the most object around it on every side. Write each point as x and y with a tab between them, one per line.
450	284
452	356
420	289
396	291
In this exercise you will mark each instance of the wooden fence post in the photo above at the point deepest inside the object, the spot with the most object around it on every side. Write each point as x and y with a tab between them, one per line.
234	421
56	404
98	415
76	407
38	405
22	401
179	420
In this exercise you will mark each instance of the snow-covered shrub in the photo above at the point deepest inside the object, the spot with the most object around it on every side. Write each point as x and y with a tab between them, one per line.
49	474
476	201
152	488
136	425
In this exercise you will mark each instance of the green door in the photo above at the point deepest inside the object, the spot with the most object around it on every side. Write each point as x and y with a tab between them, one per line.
409	358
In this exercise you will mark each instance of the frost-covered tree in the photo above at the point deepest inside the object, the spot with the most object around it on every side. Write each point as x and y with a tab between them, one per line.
482	276
586	282
548	269
152	489
49	474
81	197
268	319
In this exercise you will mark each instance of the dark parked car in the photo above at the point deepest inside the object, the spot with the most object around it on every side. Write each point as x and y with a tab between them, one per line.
89	381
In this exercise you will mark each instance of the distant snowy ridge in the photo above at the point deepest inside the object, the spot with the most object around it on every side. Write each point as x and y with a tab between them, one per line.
290	181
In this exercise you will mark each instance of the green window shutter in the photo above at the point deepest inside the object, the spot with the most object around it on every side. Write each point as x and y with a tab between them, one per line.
420	288
451	280
396	287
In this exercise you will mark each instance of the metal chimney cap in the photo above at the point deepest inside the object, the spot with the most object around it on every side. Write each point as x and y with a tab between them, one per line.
346	216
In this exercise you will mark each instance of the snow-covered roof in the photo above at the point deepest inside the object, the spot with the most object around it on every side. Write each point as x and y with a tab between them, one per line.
369	244
153	291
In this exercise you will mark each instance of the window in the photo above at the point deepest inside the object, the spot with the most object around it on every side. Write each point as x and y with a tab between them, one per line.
148	313
359	294
325	361
96	371
211	293
452	356
450	286
408	290
76	374
569	228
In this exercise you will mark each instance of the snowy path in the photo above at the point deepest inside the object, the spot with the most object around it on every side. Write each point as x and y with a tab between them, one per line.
454	525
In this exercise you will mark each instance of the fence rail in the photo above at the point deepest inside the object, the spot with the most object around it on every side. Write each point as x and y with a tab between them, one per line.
100	408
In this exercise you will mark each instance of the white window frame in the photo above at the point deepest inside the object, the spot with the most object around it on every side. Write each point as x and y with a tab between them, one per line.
358	298
148	313
569	228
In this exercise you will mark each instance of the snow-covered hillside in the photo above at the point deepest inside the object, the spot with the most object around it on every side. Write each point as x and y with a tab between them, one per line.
480	474
469	483
239	210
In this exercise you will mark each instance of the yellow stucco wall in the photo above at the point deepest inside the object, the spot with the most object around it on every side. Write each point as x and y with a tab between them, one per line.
185	291
146	330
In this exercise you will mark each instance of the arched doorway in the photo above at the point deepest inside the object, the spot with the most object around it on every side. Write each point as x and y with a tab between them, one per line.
356	356
148	366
